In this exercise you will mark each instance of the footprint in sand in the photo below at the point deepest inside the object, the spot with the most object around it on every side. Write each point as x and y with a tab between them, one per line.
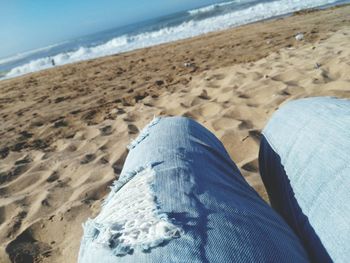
243	96
92	117
60	123
4	152
53	177
204	95
132	129
25	248
15	224
184	105
106	130
104	159
19	168
88	158
128	102
189	114
245	124
283	92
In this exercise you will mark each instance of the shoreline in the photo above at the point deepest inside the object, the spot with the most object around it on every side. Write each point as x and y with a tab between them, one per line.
301	12
64	130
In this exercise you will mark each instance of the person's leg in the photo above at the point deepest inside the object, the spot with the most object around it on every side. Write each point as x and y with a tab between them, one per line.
305	165
180	198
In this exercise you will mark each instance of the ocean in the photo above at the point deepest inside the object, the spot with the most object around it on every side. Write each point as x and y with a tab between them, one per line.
156	31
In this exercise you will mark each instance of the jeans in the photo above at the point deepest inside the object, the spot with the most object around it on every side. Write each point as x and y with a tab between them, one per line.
180	198
305	166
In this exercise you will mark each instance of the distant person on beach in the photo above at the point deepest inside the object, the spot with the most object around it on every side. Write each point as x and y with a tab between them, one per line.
180	198
53	62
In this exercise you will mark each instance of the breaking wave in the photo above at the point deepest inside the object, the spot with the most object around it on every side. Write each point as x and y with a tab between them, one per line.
253	11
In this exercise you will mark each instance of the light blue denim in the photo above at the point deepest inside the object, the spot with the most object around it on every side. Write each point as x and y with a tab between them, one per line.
193	203
312	138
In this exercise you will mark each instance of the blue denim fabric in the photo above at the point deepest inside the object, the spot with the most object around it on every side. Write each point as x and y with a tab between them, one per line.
312	140
211	212
282	199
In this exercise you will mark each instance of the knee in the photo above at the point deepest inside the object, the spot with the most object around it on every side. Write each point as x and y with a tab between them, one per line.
177	120
163	128
297	114
175	124
303	108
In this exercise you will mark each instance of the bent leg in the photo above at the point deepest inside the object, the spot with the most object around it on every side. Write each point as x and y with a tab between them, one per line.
180	198
305	165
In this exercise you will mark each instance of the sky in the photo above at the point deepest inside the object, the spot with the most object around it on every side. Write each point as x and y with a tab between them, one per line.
32	24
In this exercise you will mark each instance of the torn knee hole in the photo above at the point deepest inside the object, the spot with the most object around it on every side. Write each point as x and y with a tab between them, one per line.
131	219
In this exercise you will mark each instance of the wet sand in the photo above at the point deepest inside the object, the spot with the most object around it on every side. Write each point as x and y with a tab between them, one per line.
64	131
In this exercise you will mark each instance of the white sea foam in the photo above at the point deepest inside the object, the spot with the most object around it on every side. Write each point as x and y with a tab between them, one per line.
27	53
209	8
185	30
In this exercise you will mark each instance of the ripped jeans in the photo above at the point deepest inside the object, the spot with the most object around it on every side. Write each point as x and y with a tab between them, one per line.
180	198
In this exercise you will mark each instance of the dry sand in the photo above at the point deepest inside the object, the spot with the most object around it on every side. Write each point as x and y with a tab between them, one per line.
64	131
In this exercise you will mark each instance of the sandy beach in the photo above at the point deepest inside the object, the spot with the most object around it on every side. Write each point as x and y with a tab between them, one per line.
64	131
